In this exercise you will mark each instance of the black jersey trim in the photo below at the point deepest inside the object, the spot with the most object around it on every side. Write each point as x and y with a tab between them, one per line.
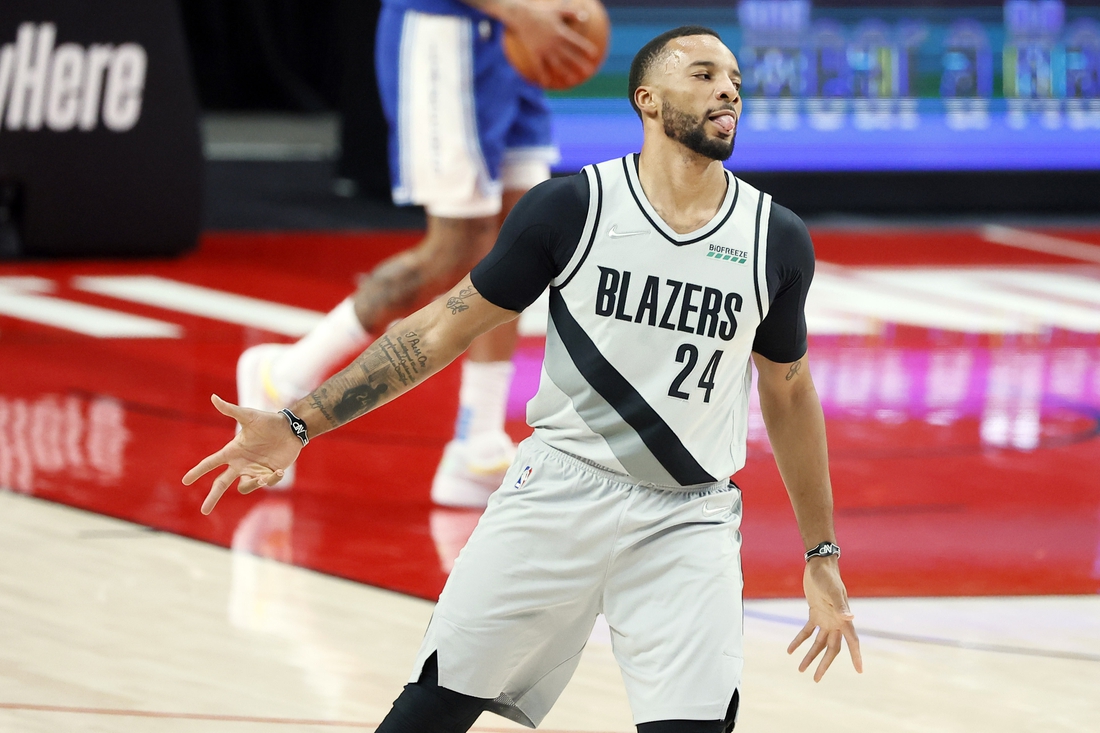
660	228
595	227
756	255
658	437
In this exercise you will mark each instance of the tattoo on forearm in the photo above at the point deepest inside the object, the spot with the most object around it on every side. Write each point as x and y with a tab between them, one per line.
795	368
317	398
390	363
357	401
457	304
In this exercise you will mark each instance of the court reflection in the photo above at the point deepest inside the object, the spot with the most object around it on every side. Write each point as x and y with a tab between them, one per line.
56	437
269	598
954	391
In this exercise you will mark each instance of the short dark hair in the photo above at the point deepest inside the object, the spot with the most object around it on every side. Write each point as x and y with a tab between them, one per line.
643	60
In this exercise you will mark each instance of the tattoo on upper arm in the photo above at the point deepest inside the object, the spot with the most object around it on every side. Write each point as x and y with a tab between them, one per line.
457	304
390	363
795	368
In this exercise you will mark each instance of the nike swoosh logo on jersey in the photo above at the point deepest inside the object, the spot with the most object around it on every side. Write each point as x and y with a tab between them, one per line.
710	511
615	235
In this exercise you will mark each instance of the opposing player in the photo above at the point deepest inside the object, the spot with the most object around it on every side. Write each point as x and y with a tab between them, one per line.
667	276
468	136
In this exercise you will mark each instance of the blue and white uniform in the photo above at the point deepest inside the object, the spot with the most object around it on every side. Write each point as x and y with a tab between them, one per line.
464	126
621	502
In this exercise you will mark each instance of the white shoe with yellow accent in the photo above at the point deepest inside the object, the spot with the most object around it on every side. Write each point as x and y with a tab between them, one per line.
472	469
256	390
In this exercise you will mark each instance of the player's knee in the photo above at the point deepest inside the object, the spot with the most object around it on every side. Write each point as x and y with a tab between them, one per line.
696	726
461	243
425	707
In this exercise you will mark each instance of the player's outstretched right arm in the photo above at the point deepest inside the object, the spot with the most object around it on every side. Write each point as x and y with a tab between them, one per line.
408	353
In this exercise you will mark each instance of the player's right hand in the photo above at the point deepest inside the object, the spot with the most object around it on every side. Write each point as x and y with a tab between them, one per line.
257	455
562	53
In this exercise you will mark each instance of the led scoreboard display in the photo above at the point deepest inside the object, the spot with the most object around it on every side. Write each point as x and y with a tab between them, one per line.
841	86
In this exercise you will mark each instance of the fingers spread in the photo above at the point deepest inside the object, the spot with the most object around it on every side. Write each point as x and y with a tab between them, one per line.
227	408
853	647
205	466
831	650
220	485
800	637
577	43
811	655
248	484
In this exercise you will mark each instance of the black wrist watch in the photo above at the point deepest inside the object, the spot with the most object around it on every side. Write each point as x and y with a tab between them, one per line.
297	425
825	549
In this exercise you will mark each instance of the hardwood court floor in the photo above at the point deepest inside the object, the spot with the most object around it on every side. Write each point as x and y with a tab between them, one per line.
109	626
960	374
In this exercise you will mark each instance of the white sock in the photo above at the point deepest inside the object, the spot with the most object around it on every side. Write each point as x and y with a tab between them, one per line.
483	398
331	344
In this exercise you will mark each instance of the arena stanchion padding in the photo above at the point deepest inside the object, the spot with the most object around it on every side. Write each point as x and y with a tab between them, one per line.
100	153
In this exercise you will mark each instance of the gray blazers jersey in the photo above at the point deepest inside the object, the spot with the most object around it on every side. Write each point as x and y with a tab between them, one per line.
647	366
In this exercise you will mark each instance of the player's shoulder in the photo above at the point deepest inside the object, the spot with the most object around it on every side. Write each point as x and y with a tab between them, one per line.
787	225
790	247
560	194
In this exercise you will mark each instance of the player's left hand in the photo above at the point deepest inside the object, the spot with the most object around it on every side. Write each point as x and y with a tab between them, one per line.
258	454
829	615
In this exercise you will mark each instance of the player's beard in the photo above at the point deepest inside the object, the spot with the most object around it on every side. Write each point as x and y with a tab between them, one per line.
692	133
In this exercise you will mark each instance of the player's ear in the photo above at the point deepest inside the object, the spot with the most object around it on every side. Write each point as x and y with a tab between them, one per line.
647	101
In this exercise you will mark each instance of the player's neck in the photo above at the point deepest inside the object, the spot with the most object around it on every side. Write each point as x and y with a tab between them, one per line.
685	188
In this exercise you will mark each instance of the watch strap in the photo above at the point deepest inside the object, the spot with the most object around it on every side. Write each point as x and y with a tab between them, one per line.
823	549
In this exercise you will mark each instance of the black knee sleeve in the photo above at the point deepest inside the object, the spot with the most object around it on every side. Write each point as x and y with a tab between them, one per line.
425	707
696	726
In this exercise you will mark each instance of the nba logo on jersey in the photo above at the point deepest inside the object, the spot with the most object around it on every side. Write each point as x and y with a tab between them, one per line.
523	476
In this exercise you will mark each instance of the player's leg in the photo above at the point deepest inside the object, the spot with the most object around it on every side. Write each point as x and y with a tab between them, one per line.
520	603
726	725
425	707
514	130
474	461
423	66
673	603
394	288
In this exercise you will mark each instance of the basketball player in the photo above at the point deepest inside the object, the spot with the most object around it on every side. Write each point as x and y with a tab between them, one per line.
667	275
468	136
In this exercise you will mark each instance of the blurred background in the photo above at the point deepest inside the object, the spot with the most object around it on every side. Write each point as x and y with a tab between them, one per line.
902	108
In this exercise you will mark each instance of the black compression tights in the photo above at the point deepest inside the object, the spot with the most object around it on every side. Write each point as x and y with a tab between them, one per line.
425	707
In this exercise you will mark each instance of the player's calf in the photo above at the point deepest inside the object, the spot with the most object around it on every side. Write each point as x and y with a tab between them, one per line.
425	707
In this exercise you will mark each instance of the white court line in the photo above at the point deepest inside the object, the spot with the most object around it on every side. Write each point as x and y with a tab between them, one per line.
26	284
1036	242
846	290
205	302
964	288
1059	286
90	320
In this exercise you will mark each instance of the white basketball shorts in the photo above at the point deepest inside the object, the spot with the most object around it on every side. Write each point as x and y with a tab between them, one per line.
563	541
463	124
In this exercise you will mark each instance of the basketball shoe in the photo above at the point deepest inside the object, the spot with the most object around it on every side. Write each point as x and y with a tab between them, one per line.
256	389
472	469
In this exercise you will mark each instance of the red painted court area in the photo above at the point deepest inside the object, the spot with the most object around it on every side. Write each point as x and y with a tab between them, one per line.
965	460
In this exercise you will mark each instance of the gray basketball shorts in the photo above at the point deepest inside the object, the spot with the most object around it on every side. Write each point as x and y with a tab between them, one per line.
563	541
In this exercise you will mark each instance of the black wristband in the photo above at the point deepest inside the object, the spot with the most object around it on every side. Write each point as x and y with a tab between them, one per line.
296	424
825	549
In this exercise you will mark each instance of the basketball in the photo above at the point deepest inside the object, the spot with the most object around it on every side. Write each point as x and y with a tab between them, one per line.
596	27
